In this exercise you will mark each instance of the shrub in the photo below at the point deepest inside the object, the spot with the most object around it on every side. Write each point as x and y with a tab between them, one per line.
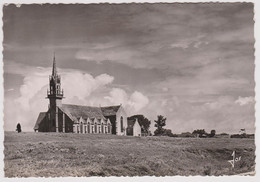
207	170
187	134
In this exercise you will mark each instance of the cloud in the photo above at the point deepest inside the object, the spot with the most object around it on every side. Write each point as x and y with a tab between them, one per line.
32	84
133	103
193	42
77	86
117	96
200	43
165	89
219	103
192	72
164	41
181	44
137	101
221	113
119	54
245	100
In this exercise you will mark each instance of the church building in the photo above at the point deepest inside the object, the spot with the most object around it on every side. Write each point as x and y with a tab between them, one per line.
69	118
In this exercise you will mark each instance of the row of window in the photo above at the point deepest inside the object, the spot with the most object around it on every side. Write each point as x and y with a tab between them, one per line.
82	128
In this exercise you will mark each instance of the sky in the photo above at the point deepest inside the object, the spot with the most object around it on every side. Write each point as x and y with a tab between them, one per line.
192	63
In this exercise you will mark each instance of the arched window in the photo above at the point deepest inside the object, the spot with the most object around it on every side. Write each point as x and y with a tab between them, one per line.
81	127
122	125
102	128
51	92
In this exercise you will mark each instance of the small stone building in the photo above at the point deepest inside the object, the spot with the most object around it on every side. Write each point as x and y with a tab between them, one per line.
78	119
133	127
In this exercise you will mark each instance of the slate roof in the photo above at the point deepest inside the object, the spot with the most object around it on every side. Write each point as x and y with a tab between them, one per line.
110	110
39	120
77	111
74	112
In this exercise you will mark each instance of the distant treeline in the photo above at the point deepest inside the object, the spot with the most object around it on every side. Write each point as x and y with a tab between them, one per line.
222	135
201	133
244	135
160	123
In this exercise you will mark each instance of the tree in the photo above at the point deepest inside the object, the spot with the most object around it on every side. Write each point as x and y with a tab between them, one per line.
212	133
186	134
160	123
199	132
143	122
168	132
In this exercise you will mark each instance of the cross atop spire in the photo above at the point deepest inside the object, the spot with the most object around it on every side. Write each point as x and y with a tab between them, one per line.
54	70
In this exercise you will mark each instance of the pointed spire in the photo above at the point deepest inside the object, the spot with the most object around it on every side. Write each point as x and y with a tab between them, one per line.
54	70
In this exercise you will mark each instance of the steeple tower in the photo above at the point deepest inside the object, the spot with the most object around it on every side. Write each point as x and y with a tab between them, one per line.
54	70
55	83
55	95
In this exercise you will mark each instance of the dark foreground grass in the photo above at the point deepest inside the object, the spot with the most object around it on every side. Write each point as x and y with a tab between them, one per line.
67	154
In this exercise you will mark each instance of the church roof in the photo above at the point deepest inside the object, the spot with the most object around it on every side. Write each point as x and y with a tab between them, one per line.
110	110
39	120
77	111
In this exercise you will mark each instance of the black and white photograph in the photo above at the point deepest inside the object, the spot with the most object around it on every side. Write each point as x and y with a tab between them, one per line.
129	89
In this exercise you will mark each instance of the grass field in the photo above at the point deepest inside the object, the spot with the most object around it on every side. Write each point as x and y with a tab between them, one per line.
66	154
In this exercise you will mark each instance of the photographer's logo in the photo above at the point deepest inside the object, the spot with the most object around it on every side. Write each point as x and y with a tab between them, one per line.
234	160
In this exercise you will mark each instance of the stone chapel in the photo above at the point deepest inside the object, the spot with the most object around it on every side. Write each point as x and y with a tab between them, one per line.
76	118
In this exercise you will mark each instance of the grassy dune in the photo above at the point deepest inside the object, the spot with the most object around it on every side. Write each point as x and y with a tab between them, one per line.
66	154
